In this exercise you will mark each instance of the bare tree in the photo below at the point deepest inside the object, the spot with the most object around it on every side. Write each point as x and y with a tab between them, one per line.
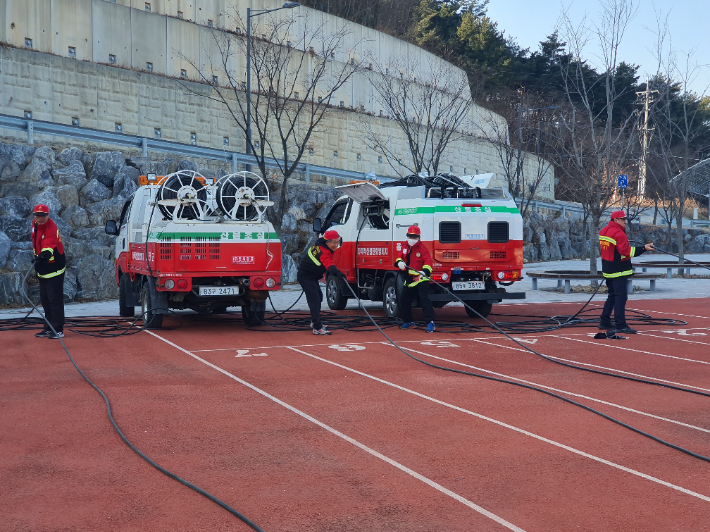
431	109
520	142
294	84
595	143
680	129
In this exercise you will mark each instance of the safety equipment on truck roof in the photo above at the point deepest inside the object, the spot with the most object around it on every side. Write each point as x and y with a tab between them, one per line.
243	196
183	196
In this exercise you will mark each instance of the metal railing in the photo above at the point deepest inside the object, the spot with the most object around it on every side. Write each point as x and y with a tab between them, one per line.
33	127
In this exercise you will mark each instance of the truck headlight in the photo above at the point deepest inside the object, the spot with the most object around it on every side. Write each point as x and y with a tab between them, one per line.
169	284
444	276
270	283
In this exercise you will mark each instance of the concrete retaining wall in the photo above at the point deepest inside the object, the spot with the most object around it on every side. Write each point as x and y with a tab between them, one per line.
85	87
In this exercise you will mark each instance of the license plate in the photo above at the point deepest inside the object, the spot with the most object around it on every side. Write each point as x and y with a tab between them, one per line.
219	290
468	285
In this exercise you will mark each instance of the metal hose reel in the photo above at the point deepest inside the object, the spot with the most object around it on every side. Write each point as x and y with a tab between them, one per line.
243	196
183	196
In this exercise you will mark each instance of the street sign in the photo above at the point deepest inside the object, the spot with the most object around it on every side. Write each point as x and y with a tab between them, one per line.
623	181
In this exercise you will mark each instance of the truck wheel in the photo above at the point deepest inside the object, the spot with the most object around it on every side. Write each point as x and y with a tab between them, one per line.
482	307
389	298
124	287
253	318
151	320
336	300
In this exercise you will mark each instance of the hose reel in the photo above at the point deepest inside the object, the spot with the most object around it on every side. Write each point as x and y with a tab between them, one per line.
183	196
243	196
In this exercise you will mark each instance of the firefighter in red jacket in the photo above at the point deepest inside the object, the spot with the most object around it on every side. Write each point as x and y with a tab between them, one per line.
415	258
616	267
50	264
312	265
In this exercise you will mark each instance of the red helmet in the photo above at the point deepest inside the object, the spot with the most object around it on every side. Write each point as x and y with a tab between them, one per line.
331	234
414	231
618	214
41	209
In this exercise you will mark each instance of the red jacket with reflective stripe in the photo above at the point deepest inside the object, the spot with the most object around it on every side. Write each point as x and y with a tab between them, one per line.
46	237
616	251
417	258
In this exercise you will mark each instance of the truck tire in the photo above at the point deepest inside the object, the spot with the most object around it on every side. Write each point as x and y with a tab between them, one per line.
253	318
151	320
336	300
124	287
482	307
389	298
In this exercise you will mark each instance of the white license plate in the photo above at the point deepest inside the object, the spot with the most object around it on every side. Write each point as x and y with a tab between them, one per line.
468	285
219	290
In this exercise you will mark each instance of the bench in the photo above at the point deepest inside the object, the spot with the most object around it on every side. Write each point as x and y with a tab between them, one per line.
579	275
669	266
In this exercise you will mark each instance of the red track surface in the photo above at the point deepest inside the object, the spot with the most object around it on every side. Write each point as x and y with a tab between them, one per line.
346	433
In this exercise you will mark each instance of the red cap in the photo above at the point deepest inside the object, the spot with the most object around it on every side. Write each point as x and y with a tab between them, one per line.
331	234
414	230
618	214
41	209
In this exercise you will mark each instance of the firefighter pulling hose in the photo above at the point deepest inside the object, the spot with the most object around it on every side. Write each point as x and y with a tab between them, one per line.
314	263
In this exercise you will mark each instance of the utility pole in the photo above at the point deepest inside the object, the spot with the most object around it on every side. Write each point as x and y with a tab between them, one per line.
647	100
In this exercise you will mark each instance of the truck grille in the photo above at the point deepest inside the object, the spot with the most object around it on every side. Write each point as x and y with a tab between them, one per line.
450	232
498	254
450	255
498	232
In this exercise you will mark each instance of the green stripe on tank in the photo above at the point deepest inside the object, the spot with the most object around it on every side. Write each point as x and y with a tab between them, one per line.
226	235
453	209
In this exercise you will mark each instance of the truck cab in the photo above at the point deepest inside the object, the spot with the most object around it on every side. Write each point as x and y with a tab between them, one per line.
474	234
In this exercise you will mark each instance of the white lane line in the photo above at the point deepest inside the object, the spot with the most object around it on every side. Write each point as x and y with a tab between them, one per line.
614	346
644	333
513	428
503	375
670	313
615	370
352	441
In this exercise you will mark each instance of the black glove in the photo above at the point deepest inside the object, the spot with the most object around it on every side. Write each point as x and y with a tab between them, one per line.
43	257
336	272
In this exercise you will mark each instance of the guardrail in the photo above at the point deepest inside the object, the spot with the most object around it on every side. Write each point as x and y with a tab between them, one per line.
145	144
566	209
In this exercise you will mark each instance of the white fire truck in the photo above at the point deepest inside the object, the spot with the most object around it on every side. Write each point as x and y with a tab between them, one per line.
474	234
186	241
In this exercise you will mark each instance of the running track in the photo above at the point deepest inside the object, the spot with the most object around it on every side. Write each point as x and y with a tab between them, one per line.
305	433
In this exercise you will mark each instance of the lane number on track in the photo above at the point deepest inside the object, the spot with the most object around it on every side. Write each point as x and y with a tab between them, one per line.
245	353
348	347
684	332
442	343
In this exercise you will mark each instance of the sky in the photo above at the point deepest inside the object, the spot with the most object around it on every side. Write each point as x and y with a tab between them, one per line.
531	21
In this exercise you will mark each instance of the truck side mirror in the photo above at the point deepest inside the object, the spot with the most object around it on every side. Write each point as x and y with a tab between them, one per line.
111	228
316	225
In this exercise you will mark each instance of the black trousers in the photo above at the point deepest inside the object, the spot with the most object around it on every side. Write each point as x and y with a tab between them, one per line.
51	295
314	298
616	301
407	296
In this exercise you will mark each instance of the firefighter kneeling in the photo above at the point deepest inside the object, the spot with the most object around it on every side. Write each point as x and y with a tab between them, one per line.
415	258
313	264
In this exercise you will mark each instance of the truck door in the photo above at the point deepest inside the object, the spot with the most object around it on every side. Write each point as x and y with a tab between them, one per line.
369	229
337	219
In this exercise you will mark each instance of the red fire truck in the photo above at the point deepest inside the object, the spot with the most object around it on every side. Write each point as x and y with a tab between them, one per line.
189	242
474	234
